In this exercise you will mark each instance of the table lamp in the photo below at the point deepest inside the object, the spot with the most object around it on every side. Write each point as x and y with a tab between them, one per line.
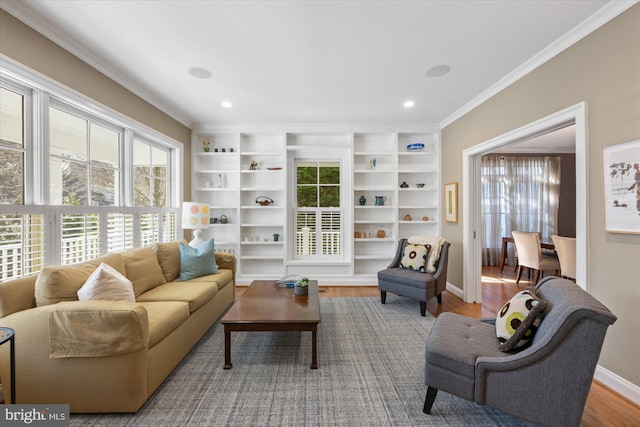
195	216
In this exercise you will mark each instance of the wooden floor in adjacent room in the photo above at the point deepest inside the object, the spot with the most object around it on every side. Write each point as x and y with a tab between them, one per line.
604	407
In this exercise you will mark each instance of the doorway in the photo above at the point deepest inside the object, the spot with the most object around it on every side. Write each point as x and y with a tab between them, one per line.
472	219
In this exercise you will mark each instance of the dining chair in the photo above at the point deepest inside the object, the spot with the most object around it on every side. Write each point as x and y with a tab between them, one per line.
566	250
530	255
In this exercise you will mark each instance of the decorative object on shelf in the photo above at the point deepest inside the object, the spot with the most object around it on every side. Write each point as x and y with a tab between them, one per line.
381	231
418	146
213	220
425	218
223	219
264	200
253	166
421	185
407	217
195	216
372	163
231	150
215	150
205	145
302	286
380	200
276	237
404	184
274	168
451	202
362	200
220	181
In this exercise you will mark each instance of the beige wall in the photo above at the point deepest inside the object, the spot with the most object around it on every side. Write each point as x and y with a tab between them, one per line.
28	47
603	69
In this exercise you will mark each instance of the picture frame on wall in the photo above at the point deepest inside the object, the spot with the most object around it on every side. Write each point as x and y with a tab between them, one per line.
451	202
621	173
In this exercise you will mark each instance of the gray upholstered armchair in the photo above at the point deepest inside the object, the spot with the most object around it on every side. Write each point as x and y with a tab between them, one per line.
414	284
546	383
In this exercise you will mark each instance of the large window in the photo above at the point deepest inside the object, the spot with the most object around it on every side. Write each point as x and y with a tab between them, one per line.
76	183
519	193
318	210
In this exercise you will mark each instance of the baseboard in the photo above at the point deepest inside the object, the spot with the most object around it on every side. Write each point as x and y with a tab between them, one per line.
618	384
455	290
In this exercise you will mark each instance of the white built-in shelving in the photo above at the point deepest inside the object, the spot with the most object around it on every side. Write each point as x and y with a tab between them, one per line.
380	164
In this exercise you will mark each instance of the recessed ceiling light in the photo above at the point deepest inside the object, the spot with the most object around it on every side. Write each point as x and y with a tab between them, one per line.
200	73
226	104
438	70
408	104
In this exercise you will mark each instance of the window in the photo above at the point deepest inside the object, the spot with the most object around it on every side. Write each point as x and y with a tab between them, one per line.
84	167
12	147
78	183
150	166
519	193
318	210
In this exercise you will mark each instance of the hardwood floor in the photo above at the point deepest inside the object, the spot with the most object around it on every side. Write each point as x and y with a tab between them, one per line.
604	407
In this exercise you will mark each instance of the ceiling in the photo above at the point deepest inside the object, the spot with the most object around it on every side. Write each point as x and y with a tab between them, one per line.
307	61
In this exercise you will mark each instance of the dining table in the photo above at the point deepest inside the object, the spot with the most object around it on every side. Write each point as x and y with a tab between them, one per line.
507	240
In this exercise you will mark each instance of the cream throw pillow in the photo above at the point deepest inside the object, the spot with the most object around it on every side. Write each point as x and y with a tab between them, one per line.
106	284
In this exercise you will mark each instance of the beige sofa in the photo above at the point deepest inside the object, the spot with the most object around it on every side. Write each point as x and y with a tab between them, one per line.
108	356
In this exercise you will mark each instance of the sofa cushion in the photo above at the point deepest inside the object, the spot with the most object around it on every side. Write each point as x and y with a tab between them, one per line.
164	318
414	257
518	320
406	277
97	328
168	255
198	261
142	269
58	283
106	284
196	294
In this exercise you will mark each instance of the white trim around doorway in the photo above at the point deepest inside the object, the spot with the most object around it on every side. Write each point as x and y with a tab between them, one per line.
472	264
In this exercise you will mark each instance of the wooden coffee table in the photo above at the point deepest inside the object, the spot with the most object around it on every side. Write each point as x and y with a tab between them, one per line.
267	306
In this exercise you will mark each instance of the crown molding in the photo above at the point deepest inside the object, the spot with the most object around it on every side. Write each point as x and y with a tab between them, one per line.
586	27
22	12
320	127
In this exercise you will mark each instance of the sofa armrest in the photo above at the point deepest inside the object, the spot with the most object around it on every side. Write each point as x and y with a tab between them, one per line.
226	260
97	328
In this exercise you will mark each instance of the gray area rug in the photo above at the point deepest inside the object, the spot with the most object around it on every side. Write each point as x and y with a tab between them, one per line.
371	372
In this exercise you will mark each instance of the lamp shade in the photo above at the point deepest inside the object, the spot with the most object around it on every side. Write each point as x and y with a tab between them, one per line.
195	216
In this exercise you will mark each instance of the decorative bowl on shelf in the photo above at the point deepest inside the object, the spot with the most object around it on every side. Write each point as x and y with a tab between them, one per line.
381	231
420	185
418	146
274	168
264	200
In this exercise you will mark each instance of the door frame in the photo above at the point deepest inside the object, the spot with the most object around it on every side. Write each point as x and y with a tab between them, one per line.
472	217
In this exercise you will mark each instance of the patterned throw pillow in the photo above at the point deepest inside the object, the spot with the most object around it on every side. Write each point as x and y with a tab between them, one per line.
518	320
414	257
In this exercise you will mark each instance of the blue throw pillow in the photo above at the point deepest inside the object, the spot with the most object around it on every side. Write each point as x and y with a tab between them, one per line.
198	261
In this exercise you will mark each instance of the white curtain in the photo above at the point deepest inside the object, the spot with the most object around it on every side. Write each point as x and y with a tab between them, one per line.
519	193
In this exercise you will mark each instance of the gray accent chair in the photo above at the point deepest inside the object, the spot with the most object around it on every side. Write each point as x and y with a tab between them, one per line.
546	383
413	284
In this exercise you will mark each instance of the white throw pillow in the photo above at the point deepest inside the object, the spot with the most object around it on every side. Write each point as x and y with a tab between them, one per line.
106	284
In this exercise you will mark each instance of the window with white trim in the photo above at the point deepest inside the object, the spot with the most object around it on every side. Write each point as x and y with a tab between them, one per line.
319	213
77	183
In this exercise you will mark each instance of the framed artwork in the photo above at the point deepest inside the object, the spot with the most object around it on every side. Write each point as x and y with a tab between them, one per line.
621	173
451	202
